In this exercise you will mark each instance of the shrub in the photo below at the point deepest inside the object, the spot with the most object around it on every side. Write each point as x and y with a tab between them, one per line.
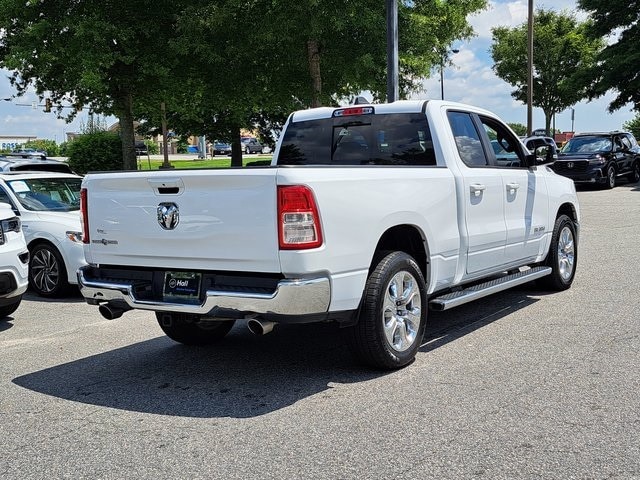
152	147
49	146
97	151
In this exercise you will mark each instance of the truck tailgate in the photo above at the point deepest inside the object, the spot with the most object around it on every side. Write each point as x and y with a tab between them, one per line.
226	219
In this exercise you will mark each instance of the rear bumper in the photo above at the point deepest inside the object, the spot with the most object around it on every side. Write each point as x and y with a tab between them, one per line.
291	297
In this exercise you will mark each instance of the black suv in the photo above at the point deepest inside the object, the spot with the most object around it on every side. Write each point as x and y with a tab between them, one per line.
599	157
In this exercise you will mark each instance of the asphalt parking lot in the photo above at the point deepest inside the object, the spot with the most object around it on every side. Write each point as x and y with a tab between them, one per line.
522	384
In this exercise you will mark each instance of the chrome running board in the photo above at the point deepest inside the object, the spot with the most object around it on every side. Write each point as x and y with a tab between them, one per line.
453	299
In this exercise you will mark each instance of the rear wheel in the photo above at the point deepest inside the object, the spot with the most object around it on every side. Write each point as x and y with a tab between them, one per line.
634	176
247	151
47	271
562	257
193	329
393	316
8	309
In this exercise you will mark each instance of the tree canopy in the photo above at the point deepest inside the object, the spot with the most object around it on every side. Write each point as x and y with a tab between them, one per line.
105	54
618	63
218	66
563	56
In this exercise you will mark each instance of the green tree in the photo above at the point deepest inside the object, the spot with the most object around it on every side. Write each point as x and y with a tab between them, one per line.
633	126
106	54
619	62
518	128
563	56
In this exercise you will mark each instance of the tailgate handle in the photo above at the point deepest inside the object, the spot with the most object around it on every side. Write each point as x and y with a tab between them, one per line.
166	186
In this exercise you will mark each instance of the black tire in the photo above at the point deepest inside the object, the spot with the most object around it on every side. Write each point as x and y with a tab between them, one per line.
610	180
247	151
7	310
562	256
47	271
391	325
634	176
191	329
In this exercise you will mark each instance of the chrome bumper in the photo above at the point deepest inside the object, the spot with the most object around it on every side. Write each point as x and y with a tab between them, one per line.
291	297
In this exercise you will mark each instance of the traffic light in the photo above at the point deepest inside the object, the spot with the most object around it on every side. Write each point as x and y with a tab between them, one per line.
47	105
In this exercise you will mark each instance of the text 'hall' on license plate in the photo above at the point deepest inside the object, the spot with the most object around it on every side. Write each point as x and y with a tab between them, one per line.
182	285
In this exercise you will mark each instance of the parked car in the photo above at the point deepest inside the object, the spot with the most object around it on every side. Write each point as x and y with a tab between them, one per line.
48	205
141	148
9	163
29	153
221	148
251	145
14	261
600	157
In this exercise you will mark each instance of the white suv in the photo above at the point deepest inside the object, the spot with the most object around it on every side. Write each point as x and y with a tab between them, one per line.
14	261
48	204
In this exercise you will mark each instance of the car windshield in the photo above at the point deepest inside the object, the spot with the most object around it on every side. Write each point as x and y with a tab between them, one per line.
48	194
587	145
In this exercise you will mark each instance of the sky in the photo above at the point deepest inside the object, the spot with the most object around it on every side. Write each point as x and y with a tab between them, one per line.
470	79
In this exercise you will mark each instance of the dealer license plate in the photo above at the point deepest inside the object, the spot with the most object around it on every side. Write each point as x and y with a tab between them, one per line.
182	286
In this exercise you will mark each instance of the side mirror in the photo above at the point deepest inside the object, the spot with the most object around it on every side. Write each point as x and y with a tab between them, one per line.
543	152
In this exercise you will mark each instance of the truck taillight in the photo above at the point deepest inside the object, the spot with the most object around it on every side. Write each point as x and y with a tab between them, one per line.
298	219
85	215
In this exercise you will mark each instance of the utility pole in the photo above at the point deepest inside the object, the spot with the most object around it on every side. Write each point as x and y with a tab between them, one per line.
392	50
530	70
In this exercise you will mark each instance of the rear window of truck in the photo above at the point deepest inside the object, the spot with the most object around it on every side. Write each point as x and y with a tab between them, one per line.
383	139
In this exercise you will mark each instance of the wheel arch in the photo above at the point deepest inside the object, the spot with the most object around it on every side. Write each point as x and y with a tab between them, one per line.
40	240
406	238
569	210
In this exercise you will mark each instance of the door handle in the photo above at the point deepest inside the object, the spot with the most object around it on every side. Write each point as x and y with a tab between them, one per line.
477	189
512	187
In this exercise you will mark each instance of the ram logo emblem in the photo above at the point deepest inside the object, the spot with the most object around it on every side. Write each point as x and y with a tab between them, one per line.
168	215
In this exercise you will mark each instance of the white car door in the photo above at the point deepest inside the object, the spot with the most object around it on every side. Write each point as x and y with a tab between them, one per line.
483	195
526	201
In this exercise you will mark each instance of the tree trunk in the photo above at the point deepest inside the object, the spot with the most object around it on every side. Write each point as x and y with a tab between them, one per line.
127	133
547	122
236	147
313	53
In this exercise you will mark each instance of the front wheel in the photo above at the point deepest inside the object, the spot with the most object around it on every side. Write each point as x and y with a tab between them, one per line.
47	271
247	151
634	176
562	256
610	181
193	329
393	315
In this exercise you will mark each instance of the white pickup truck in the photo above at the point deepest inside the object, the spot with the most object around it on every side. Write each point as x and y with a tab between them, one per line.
368	215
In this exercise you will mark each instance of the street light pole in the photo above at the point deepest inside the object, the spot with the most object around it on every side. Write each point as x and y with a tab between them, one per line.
530	70
442	59
392	51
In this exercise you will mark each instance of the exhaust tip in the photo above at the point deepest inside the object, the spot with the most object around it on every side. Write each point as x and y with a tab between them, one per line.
109	312
259	327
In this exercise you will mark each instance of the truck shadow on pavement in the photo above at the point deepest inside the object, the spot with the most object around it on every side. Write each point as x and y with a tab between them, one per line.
244	376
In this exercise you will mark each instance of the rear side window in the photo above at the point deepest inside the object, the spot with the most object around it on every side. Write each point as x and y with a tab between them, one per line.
392	139
43	167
